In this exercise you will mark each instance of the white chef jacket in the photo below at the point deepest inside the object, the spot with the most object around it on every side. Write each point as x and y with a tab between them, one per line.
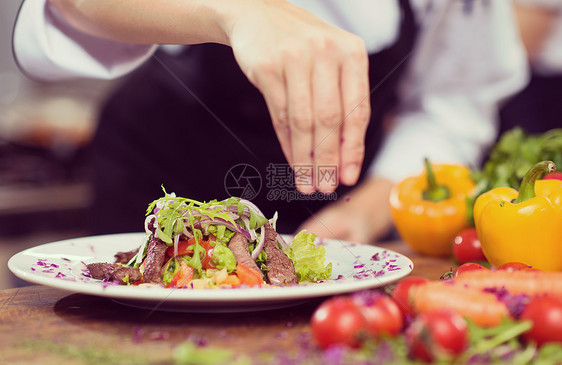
467	59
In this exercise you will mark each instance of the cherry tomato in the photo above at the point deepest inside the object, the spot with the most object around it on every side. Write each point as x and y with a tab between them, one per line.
546	315
553	176
437	332
514	266
348	321
401	295
338	321
466	247
381	313
469	266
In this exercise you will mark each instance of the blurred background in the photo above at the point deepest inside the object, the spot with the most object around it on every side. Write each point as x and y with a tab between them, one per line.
45	187
44	184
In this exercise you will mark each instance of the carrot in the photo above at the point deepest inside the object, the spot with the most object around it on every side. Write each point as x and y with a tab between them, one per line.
248	276
482	308
532	283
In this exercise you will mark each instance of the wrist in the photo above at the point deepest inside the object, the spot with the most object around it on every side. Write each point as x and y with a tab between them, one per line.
228	14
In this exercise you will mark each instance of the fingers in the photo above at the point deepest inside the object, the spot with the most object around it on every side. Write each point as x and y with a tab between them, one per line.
357	111
275	96
299	98
328	118
320	109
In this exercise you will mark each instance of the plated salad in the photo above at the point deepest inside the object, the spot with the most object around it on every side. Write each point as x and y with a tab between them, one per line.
216	244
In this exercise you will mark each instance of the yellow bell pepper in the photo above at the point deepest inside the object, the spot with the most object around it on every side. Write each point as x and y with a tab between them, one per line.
427	215
524	226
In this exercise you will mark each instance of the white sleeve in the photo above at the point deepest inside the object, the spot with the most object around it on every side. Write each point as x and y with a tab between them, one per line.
47	48
466	61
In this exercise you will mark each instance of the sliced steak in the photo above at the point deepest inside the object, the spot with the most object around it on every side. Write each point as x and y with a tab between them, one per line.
132	274
239	247
155	258
101	270
280	268
125	257
112	272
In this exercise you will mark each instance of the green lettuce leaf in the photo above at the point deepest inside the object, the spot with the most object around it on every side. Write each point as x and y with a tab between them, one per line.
309	259
221	233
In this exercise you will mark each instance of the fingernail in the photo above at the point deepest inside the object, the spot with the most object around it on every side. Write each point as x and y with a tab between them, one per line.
351	174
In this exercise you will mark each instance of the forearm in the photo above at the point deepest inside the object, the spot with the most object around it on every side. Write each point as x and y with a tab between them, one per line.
150	22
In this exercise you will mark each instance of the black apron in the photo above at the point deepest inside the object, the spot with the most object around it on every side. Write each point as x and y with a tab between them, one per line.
536	108
194	124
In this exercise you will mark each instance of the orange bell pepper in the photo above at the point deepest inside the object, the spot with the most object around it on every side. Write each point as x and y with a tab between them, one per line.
523	226
428	215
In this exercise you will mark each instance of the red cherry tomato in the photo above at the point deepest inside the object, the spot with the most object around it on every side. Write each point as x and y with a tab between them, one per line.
553	176
401	295
514	266
348	321
469	266
546	315
437	332
381	313
466	247
338	321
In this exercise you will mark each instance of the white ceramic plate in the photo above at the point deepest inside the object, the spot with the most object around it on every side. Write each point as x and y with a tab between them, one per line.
62	265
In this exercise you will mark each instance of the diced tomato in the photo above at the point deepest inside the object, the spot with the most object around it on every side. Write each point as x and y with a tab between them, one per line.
182	248
248	276
182	277
206	262
207	246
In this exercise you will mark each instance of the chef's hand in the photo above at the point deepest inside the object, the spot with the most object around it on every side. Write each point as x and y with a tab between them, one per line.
314	78
362	216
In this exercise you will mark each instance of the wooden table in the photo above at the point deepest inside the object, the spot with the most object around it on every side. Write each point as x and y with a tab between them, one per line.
40	325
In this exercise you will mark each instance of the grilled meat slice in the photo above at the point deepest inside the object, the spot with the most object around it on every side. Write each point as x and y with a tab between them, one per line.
101	270
132	274
239	247
155	258
112	272
125	257
280	268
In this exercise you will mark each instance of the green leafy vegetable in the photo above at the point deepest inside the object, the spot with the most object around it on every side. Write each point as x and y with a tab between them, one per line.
170	269
221	233
256	221
512	156
175	210
195	260
308	258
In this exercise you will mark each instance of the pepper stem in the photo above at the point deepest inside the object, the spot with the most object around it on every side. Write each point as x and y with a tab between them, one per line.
527	189
434	192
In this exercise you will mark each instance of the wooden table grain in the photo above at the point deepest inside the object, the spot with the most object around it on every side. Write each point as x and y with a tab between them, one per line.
41	325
